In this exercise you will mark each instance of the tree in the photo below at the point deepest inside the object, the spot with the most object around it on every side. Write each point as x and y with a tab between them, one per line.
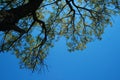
29	28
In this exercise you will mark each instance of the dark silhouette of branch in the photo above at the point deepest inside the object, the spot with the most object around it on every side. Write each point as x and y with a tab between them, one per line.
12	16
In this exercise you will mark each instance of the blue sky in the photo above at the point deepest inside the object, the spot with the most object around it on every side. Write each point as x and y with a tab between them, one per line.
99	61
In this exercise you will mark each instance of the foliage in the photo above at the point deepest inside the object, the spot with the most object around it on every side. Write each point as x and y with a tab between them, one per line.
79	21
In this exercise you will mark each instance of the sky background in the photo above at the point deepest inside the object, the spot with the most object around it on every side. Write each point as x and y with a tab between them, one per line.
99	61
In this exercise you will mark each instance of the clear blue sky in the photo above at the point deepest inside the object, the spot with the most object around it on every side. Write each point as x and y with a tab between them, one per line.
100	61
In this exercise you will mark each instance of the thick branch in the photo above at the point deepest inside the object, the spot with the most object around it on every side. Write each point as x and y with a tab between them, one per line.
17	13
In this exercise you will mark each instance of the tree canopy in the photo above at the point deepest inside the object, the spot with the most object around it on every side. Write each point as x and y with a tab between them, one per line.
29	28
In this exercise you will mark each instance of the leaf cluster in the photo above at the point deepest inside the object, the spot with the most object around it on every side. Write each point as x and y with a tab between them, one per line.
79	21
